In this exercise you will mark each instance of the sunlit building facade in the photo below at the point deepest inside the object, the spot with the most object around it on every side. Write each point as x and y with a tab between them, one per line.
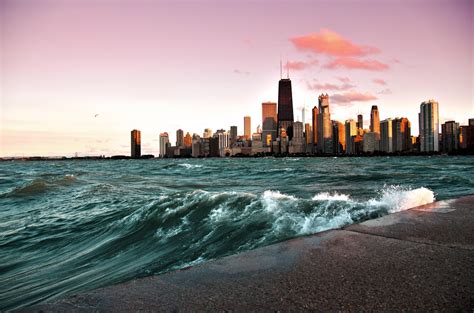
247	127
269	122
401	135
135	144
164	143
429	126
386	138
315	125
324	125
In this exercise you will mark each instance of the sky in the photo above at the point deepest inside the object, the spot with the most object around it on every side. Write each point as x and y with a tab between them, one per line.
77	76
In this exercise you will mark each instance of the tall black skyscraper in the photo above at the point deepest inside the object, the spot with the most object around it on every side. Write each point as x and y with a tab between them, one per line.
285	107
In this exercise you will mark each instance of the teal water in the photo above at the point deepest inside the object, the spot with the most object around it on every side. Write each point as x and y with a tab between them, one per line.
68	226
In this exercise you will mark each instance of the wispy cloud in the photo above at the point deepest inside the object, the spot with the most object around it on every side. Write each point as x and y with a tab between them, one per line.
344	79
352	96
328	86
379	81
353	63
331	43
300	65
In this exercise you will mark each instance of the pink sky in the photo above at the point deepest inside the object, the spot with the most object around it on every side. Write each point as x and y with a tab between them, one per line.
159	66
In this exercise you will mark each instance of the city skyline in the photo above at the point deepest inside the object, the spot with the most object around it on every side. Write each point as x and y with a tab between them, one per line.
66	91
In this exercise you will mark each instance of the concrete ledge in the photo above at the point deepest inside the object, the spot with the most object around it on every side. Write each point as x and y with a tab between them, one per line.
417	260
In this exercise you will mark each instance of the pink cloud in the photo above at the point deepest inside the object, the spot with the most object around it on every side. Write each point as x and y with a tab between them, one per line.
352	63
352	96
380	81
329	86
300	65
344	79
331	43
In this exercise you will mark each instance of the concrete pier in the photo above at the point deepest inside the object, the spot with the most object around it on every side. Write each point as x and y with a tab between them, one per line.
416	260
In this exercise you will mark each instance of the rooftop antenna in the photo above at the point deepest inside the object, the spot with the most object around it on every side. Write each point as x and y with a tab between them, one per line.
287	69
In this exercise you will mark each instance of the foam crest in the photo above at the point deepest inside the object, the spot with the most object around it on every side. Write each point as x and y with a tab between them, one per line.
397	198
190	166
327	196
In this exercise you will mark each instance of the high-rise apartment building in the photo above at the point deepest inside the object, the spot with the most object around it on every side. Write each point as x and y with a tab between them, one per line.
370	142
269	121
315	125
297	144
360	121
401	135
207	133
386	138
196	146
179	138
429	126
338	137
351	132
188	140
164	143
374	120
308	133
135	144
233	135
324	125
285	107
450	136
247	127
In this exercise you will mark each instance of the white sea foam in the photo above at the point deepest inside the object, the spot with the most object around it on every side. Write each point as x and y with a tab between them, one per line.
271	200
397	198
189	166
327	196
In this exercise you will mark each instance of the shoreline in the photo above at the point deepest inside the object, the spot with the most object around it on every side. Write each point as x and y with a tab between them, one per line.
152	157
417	259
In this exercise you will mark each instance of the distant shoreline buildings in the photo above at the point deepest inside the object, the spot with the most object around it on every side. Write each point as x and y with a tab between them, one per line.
281	135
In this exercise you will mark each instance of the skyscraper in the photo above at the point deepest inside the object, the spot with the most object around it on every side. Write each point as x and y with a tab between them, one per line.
233	135
179	138
164	142
338	137
401	135
429	126
308	133
285	107
315	125
207	133
360	121
369	144
386	143
297	143
188	140
247	127
269	121
351	131
450	135
324	125
374	120
135	144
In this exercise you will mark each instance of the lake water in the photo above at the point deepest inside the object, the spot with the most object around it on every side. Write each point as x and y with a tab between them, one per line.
68	226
